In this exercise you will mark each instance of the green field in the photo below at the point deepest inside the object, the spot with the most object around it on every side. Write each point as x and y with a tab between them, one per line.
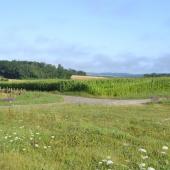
112	88
38	131
29	98
75	137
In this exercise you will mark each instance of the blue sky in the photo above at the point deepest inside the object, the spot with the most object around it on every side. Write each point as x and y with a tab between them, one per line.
92	35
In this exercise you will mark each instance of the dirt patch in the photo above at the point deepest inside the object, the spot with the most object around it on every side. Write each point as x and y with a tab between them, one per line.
75	77
91	101
7	99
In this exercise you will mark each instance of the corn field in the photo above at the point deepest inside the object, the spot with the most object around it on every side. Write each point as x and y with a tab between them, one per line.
116	87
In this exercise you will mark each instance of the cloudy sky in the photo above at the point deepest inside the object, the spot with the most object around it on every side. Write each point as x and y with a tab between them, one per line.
92	35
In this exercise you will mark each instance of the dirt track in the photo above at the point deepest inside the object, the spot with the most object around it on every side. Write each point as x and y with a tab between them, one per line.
92	101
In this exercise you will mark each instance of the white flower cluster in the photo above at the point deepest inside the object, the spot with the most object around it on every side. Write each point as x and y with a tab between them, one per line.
164	150
34	140
144	156
105	163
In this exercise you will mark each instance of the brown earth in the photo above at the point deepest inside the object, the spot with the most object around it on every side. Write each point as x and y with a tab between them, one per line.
93	101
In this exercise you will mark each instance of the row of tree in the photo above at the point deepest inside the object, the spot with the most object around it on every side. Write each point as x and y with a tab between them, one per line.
157	75
34	70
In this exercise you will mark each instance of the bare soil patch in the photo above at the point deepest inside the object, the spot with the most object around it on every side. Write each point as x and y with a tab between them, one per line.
92	101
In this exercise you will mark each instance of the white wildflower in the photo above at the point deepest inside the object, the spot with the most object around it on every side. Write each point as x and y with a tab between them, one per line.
100	163
52	137
150	168
21	127
36	145
142	165
165	147
109	162
45	147
142	150
17	138
144	157
24	149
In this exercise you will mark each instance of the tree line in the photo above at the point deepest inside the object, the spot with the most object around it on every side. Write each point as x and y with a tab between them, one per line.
34	70
157	75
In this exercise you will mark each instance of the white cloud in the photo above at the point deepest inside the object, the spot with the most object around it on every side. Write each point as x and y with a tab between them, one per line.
83	58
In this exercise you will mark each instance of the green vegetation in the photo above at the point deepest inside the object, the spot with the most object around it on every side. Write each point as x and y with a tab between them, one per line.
39	131
34	70
3	79
29	98
114	88
75	137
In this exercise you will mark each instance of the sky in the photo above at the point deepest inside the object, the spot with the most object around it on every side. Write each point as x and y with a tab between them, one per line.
92	35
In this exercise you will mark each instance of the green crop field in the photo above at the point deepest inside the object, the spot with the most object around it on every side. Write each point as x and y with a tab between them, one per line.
113	88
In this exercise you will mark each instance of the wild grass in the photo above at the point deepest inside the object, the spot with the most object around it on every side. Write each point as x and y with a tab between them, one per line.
80	137
28	98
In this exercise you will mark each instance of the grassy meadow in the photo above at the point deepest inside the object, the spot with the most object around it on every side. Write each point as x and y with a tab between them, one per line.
29	98
62	136
38	131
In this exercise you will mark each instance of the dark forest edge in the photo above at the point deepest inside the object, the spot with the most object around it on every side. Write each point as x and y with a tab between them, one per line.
34	70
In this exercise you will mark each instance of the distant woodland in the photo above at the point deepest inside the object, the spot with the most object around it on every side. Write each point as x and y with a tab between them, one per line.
157	75
34	70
